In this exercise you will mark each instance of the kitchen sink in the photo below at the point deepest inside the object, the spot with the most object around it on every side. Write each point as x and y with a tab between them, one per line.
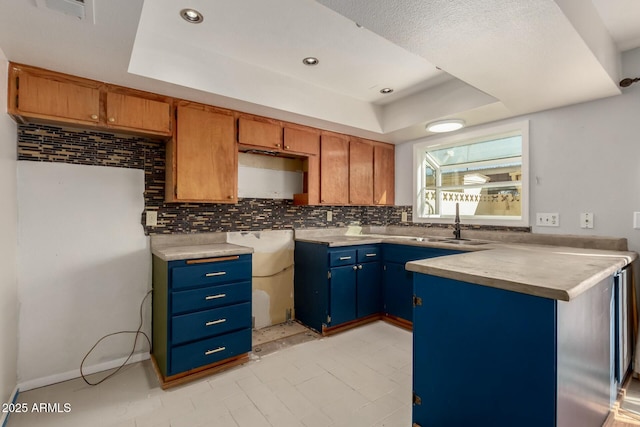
464	242
418	239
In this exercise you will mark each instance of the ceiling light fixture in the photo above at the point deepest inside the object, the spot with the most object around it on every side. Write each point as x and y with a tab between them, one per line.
310	61
445	125
192	16
386	90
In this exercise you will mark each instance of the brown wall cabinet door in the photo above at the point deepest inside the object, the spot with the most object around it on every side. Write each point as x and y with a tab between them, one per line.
301	141
384	175
206	156
56	98
360	172
334	170
261	133
137	113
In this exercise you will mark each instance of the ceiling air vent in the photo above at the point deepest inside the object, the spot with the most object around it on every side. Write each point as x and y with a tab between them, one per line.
75	8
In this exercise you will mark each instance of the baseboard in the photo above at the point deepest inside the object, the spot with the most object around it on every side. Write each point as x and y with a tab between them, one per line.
4	417
87	370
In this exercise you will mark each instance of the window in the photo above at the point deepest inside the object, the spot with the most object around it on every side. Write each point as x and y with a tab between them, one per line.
483	173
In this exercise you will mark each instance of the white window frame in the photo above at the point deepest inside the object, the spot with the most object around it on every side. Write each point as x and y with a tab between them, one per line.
460	138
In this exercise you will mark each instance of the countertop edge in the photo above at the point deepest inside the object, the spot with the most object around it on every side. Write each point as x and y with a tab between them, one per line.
625	258
176	253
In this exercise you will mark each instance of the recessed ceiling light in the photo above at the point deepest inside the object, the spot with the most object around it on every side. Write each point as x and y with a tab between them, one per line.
445	125
192	16
310	60
386	90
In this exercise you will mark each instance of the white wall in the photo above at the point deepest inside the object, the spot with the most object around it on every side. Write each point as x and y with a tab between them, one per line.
8	245
583	158
84	266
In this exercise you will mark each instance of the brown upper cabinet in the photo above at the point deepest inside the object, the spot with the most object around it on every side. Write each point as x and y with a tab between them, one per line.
277	137
334	169
202	144
260	132
128	111
45	96
356	171
383	174
52	97
360	172
202	160
300	139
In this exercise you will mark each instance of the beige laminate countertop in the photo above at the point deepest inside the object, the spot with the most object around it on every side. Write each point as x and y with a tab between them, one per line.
556	272
348	240
559	273
206	250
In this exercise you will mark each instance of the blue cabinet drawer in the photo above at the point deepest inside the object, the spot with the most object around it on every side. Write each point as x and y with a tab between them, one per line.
193	326
210	297
405	253
342	257
211	350
369	253
211	273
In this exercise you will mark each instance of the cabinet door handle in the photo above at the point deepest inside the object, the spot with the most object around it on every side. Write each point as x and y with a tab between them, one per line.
112	119
355	267
217	350
209	297
344	258
370	255
215	322
360	267
94	117
277	145
287	147
218	273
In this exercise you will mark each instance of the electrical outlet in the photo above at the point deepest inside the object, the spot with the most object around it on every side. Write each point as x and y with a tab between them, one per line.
586	220
329	216
404	217
548	220
152	218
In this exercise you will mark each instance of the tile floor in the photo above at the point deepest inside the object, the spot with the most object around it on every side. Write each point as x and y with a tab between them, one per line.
360	377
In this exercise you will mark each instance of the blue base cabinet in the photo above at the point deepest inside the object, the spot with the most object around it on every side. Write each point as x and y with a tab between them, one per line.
489	357
201	313
335	286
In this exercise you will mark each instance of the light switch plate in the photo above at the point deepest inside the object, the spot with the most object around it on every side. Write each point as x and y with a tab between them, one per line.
404	217
636	220
329	216
152	218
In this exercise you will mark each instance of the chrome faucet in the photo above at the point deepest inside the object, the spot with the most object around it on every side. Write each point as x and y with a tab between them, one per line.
456	228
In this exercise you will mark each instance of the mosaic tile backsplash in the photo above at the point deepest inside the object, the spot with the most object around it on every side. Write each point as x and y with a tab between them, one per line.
86	147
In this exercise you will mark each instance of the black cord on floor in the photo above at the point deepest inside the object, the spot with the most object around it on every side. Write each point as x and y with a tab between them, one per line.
137	333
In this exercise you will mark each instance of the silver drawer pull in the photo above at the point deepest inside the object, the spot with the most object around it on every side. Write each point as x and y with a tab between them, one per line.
208	297
371	255
215	322
344	258
217	350
219	273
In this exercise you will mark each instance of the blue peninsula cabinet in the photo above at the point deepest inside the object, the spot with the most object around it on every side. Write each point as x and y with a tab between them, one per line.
485	356
397	282
336	286
201	316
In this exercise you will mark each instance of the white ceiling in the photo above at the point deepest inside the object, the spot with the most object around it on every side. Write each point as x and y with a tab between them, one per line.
476	60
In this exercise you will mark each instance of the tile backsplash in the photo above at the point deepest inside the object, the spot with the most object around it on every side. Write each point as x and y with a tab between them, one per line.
87	147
